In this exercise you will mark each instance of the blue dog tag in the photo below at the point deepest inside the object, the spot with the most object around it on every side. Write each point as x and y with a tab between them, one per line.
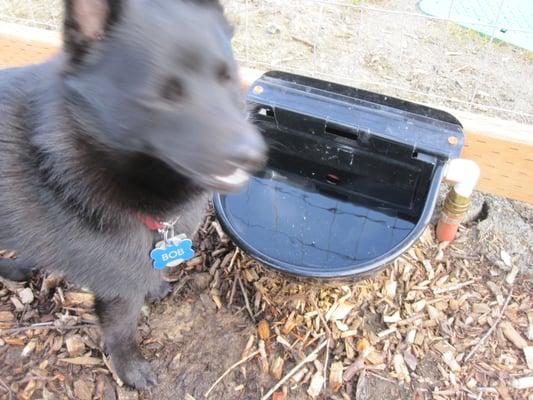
172	252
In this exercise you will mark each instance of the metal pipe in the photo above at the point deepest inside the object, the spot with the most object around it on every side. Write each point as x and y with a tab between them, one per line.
465	175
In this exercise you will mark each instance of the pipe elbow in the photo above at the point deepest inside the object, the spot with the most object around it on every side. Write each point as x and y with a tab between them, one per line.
464	174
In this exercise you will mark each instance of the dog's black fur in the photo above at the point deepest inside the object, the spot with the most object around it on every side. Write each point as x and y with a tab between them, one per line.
136	117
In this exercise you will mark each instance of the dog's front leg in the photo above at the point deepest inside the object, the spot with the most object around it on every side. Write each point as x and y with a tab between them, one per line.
118	318
162	291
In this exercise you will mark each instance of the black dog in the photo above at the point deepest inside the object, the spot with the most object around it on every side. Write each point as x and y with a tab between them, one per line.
135	122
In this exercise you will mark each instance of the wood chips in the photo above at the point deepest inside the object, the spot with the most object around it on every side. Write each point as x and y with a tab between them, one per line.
438	323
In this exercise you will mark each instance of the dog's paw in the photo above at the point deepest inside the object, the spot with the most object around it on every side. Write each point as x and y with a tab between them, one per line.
160	293
16	270
135	371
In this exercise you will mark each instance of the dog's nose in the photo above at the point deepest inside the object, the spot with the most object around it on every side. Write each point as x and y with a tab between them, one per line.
250	153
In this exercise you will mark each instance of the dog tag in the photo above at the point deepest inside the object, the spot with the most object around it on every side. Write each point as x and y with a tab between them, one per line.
172	252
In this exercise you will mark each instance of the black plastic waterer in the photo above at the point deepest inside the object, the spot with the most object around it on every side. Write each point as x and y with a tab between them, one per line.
352	179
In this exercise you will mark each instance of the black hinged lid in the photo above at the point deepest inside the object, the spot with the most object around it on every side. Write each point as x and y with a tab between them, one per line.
352	178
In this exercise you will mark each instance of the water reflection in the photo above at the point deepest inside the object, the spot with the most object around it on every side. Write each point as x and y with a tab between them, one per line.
295	221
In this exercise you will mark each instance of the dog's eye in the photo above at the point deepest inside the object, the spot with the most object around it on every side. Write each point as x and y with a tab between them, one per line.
223	73
173	90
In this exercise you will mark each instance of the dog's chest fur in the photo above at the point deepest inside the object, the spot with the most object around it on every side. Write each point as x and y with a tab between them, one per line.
72	203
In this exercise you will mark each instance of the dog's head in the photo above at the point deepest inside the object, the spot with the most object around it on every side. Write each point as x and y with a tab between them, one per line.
158	77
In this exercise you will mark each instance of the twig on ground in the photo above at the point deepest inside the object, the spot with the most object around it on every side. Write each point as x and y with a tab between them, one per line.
309	358
303	41
49	326
246	301
233	259
324	374
381	377
233	288
242	361
491	329
221	235
453	287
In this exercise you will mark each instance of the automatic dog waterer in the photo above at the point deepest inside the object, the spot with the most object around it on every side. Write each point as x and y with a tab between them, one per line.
352	178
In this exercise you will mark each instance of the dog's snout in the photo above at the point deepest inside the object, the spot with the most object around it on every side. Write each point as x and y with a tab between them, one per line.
250	152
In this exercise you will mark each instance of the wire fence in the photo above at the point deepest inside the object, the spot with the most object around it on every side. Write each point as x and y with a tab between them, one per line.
395	47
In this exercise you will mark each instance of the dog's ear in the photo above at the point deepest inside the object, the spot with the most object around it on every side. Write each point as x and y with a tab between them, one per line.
87	21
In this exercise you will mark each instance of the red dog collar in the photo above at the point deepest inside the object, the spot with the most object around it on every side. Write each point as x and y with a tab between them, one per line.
151	223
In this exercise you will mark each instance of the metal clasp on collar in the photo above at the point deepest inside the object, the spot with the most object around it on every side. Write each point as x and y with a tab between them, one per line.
167	231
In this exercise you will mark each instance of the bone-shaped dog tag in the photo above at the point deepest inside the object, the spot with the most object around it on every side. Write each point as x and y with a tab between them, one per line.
172	252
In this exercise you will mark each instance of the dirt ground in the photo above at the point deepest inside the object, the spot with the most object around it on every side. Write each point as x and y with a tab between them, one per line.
409	56
357	43
404	334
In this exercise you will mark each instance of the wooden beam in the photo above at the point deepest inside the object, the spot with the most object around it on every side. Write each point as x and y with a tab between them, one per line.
21	45
503	149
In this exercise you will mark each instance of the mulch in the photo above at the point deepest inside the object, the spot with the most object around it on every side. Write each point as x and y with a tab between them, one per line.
441	322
